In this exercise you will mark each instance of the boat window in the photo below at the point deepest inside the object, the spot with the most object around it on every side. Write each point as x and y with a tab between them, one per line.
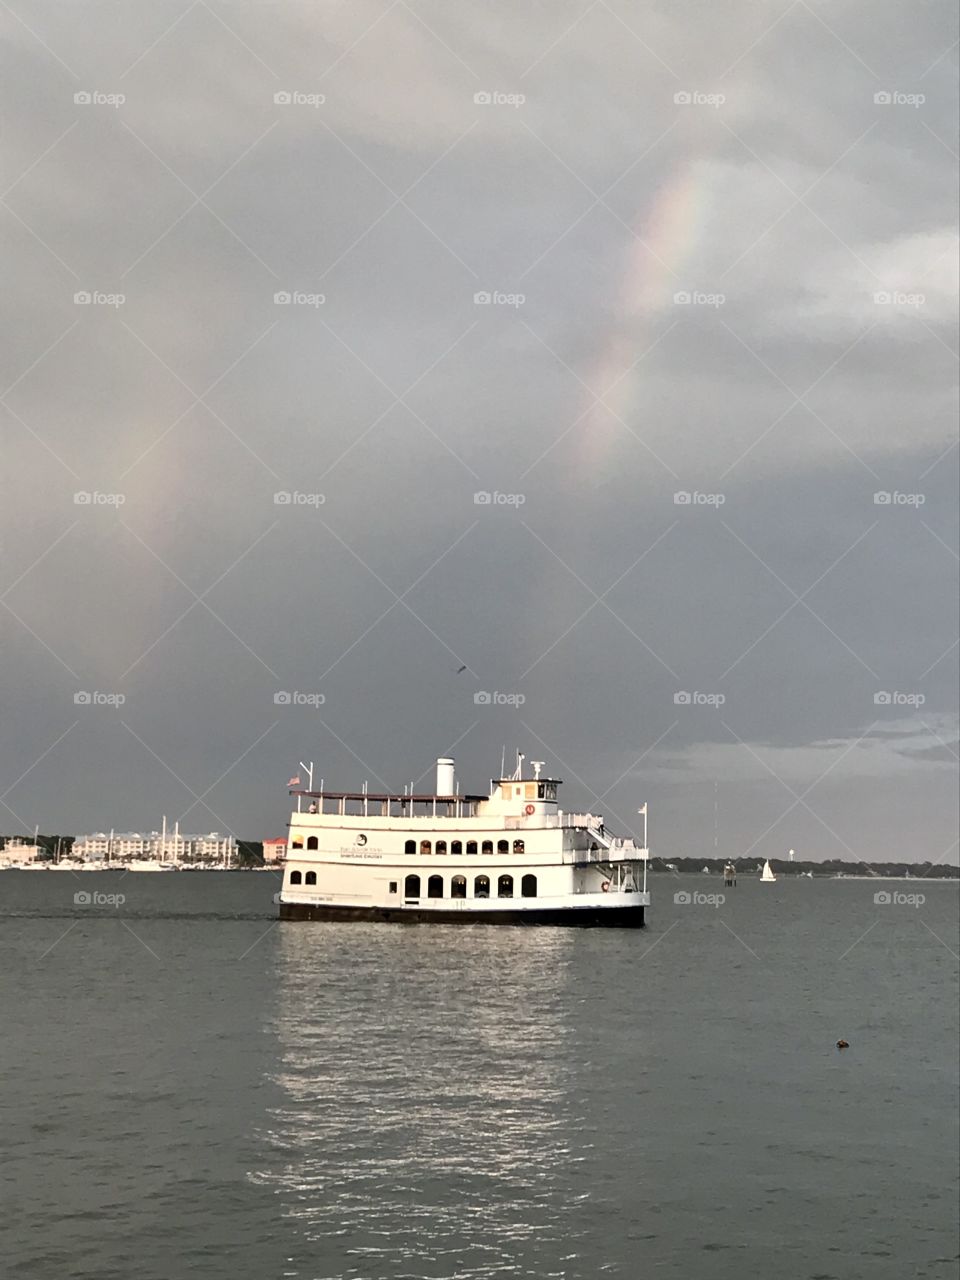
540	791
410	846
435	887
458	887
294	877
440	846
456	846
311	878
481	887
297	842
486	846
503	846
518	846
312	842
505	887
411	887
471	846
424	846
528	887
393	886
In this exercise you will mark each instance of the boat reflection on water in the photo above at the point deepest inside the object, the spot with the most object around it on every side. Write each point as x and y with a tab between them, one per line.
428	1127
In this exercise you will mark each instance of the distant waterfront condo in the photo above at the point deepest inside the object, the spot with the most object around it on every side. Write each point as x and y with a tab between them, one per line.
510	857
275	850
19	851
167	848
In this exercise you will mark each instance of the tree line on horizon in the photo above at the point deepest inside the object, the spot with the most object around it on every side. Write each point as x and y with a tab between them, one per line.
828	866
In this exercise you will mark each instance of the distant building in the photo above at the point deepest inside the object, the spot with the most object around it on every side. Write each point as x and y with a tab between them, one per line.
153	846
275	851
210	848
122	846
19	849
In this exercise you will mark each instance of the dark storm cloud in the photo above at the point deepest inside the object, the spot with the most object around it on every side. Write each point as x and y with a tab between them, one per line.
825	377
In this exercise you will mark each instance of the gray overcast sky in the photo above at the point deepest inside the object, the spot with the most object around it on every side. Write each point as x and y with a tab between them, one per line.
719	243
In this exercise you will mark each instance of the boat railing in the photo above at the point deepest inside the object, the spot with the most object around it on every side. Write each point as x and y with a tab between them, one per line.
581	820
616	851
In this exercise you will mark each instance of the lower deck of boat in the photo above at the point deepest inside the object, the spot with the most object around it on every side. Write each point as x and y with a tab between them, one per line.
626	917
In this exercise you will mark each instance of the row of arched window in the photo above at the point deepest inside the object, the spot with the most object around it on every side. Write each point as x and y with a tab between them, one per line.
481	887
296	878
458	885
457	846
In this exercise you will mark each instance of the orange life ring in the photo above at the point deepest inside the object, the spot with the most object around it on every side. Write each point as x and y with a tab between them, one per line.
605	886
530	809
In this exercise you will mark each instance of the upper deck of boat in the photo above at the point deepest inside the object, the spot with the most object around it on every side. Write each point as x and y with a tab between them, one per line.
429	804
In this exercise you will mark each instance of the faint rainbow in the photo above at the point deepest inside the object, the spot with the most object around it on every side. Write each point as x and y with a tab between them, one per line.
654	260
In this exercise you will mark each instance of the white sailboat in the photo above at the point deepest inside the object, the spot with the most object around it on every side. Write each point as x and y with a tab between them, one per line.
767	874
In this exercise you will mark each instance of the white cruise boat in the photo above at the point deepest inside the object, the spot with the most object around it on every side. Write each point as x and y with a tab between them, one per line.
510	857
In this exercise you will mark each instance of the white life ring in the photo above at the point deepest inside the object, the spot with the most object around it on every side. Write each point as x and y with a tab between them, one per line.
531	808
605	886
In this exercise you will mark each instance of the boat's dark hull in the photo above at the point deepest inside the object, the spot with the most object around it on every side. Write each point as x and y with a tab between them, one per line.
579	917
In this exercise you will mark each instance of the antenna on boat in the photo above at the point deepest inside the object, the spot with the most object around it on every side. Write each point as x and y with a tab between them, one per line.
537	766
503	759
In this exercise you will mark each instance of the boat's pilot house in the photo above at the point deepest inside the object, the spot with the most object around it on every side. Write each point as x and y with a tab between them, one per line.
540	790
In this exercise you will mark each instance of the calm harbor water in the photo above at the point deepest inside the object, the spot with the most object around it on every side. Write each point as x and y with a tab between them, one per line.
190	1089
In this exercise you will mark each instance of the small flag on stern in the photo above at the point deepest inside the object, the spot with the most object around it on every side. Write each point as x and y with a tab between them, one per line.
294	782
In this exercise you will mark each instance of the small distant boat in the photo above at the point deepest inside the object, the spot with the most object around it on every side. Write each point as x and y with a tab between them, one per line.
767	873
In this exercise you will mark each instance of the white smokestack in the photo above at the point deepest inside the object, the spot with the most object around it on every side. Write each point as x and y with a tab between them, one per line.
445	776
